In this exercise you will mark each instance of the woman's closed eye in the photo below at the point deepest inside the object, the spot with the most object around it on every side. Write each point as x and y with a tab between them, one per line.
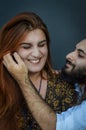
26	46
42	44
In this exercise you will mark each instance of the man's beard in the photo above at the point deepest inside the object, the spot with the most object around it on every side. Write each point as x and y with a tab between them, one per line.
78	75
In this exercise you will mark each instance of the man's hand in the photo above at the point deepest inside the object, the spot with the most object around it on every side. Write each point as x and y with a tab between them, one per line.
17	67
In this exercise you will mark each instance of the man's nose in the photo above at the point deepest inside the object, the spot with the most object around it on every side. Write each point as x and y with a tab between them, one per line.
71	56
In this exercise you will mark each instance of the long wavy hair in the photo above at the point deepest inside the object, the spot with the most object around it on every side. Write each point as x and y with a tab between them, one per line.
11	36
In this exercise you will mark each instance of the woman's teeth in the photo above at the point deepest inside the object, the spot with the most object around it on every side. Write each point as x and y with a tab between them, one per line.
34	61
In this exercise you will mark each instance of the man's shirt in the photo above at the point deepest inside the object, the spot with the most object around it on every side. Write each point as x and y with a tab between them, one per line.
72	119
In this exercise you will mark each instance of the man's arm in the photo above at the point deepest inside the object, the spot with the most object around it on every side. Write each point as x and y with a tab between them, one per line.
43	114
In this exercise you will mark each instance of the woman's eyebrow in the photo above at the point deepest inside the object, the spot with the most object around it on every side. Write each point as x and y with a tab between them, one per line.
24	43
43	41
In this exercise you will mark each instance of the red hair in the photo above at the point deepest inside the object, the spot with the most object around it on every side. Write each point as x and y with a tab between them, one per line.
11	36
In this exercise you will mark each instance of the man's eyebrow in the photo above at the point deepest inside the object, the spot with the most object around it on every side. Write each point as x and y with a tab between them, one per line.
80	50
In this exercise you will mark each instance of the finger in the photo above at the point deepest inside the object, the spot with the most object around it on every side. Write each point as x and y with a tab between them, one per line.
4	63
18	58
8	59
9	62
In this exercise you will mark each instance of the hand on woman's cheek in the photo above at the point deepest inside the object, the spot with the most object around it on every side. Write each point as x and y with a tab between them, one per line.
17	67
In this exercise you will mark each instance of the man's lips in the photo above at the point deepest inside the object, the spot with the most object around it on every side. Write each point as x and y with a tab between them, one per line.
68	63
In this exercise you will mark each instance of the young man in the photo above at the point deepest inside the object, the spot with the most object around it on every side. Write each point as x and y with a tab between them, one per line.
75	72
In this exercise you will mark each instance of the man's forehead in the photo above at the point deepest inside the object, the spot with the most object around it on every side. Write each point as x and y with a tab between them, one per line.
81	45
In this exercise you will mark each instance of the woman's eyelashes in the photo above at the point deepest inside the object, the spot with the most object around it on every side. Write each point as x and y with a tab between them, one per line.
42	44
28	46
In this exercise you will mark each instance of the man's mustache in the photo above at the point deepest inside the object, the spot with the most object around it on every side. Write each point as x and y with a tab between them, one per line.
69	62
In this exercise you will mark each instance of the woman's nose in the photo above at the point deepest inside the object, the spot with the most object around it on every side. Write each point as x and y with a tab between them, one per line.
36	52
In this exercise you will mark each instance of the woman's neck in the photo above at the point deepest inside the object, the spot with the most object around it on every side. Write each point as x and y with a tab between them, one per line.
34	76
39	80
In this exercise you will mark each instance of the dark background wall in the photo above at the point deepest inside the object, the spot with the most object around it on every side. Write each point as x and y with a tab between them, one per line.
66	21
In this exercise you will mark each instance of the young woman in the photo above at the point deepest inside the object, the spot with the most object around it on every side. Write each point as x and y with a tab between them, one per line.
26	35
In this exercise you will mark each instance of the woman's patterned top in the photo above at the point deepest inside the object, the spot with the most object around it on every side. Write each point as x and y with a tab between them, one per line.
59	96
